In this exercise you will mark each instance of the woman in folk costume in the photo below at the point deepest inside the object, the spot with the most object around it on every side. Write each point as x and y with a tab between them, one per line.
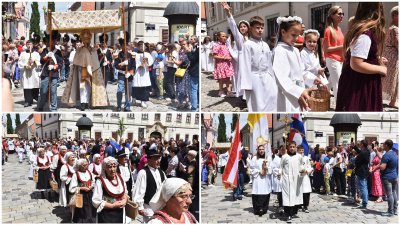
83	181
86	85
171	203
57	162
207	59
240	34
29	64
95	166
42	166
261	171
110	194
306	183
66	172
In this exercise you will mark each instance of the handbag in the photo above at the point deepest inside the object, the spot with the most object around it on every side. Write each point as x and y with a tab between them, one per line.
76	199
35	176
131	209
180	72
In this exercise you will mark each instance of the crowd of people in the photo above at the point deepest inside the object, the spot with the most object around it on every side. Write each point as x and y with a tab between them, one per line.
160	177
358	68
359	171
141	70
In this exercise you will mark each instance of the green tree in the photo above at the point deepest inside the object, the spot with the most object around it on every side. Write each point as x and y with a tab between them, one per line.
121	128
17	120
235	118
221	129
51	6
35	19
10	129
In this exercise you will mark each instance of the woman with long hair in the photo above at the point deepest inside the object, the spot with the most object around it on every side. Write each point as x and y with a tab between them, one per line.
360	87
333	46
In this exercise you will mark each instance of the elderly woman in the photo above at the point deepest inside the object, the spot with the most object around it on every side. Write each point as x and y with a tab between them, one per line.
171	203
83	181
66	172
95	167
110	194
42	166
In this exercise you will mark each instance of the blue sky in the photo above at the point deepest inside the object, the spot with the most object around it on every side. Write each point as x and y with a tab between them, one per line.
60	7
22	116
228	121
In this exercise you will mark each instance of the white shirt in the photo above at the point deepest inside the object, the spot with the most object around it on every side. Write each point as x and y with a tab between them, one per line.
97	198
83	176
142	75
172	166
361	47
140	188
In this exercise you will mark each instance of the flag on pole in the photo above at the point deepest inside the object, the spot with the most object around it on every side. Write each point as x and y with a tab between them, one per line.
297	132
259	124
230	176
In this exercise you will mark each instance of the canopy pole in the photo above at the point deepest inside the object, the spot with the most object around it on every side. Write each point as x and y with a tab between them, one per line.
50	43
125	52
105	58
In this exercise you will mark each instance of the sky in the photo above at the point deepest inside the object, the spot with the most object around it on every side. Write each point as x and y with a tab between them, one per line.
60	7
228	121
22	116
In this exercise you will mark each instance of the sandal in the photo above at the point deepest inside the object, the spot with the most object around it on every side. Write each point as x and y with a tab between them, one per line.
379	200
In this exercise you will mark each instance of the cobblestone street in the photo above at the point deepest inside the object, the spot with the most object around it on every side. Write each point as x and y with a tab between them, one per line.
154	105
20	202
211	102
217	206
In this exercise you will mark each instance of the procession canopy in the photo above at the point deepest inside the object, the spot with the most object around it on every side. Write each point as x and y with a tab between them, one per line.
97	21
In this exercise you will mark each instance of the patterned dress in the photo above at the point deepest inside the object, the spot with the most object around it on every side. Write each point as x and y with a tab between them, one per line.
376	187
223	68
390	82
182	83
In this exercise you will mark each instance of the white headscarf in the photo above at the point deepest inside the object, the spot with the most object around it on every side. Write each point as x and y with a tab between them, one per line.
67	155
107	161
168	189
79	162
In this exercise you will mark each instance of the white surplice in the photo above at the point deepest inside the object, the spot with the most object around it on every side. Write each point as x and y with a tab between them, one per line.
256	68
306	184
236	52
142	74
311	66
30	77
275	167
292	193
262	185
289	71
207	59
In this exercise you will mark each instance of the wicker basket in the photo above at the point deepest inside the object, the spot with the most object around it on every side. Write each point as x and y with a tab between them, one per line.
131	209
53	185
320	101
35	176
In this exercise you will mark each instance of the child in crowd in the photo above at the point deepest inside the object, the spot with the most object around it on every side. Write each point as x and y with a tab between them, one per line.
309	56
327	175
289	69
223	65
360	87
159	68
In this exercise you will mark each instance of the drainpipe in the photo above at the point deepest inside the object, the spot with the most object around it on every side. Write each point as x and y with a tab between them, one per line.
290	9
